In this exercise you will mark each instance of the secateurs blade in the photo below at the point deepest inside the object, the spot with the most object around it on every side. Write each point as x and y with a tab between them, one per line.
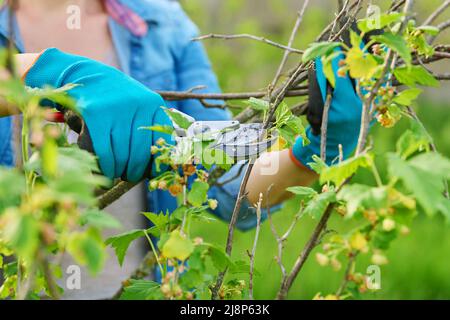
239	141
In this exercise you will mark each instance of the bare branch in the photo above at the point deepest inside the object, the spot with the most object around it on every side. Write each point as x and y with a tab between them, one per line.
300	15
324	127
177	95
114	193
255	244
348	271
248	36
436	13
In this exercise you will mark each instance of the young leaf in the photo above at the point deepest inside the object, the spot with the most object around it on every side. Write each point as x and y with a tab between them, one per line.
177	246
198	193
304	192
121	242
421	178
431	30
318	165
179	120
413	75
340	172
159	220
99	219
319	49
359	196
258	104
407	96
396	43
141	290
158	128
381	21
362	65
316	207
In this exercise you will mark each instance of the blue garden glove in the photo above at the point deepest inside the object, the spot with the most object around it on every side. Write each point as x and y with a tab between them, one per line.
344	119
113	106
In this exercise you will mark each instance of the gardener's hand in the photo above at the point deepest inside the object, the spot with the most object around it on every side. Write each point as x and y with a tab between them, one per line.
113	106
344	119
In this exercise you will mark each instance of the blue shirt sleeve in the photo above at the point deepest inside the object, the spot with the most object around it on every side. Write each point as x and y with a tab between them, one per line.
193	69
227	195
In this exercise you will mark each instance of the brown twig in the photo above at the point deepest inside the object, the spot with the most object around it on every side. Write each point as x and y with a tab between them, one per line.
348	271
248	36
436	13
114	193
310	245
255	244
286	54
177	95
324	126
281	239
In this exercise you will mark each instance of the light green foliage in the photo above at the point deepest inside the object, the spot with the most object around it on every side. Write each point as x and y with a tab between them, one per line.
344	170
121	242
289	126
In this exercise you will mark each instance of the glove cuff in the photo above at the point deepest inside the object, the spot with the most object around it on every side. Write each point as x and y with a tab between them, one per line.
49	67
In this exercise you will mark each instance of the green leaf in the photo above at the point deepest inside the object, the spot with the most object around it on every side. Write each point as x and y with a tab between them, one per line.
141	290
328	70
12	187
198	193
258	104
282	114
87	249
99	219
409	143
418	176
360	196
121	242
396	43
319	49
49	157
316	207
158	128
218	256
361	65
160	220
177	246
179	120
413	75
432	162
318	165
304	192
340	172
381	21
407	96
431	30
22	233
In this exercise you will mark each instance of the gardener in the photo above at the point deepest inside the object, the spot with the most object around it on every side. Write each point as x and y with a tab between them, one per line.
150	43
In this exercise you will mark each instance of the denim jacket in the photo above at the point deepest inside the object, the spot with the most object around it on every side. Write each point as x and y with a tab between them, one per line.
163	59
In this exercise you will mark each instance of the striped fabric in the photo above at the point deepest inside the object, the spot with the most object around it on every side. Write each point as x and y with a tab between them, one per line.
126	17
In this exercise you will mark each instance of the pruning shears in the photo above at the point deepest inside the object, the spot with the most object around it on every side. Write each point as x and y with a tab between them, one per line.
238	141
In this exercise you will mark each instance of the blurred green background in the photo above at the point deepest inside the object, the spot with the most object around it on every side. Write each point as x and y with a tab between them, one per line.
419	265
